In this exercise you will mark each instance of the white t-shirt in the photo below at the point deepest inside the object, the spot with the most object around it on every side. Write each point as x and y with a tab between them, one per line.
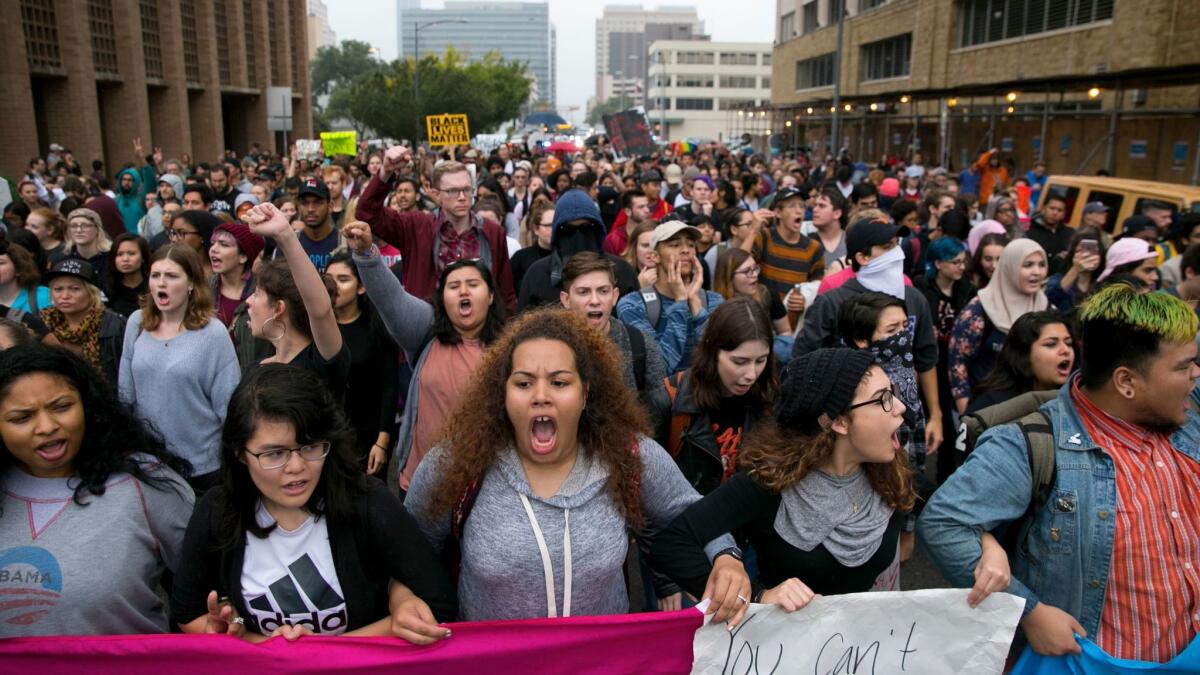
289	578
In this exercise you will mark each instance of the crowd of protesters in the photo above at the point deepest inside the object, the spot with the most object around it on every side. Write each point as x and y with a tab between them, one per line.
423	386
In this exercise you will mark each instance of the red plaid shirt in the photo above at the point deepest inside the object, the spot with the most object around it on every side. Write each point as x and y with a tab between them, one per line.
457	246
1152	600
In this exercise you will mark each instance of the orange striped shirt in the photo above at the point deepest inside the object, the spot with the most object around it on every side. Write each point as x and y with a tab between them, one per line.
785	264
1152	600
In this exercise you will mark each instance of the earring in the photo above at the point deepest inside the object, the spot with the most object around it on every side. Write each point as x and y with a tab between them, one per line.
282	331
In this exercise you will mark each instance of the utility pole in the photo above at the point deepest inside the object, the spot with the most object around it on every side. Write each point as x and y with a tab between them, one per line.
836	123
417	73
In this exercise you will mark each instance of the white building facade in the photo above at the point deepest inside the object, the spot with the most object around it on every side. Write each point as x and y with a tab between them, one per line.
697	88
623	36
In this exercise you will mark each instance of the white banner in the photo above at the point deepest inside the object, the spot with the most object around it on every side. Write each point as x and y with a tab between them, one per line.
928	632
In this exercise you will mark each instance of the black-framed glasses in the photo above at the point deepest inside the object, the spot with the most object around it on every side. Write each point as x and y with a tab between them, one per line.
175	233
276	458
886	400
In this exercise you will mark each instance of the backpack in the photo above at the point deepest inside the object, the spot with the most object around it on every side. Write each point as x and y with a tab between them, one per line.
637	348
679	422
1025	411
654	303
19	314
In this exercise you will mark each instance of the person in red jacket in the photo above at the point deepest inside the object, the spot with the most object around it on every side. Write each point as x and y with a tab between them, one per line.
430	241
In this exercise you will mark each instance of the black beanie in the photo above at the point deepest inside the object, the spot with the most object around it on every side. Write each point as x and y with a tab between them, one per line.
823	381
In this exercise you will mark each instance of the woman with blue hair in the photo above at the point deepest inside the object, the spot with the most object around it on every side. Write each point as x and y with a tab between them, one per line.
948	289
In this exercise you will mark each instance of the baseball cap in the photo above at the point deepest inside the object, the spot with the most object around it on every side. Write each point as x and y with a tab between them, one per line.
73	267
914	172
314	186
1095	207
55	147
889	188
266	174
865	233
669	230
674	174
650	176
785	193
1125	251
1135	225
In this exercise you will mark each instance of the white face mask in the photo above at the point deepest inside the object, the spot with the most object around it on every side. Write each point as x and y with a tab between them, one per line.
885	273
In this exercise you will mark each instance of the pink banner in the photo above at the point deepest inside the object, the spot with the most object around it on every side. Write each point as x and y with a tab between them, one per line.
656	642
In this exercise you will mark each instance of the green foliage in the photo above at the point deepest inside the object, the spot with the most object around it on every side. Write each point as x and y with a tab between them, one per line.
609	107
489	91
336	66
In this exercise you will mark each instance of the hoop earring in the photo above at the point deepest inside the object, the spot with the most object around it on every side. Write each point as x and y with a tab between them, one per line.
282	332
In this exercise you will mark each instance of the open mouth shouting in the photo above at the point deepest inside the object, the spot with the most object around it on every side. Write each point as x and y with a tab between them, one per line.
1064	369
162	298
52	451
295	488
465	307
543	434
595	317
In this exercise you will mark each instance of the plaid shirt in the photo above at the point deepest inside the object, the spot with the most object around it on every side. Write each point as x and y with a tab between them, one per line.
457	246
1152	600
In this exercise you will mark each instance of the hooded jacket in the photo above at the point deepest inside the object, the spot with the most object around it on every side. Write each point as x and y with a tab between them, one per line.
131	204
152	225
543	281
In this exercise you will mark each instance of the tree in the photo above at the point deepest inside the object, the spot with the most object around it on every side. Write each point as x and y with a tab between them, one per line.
489	91
609	107
336	66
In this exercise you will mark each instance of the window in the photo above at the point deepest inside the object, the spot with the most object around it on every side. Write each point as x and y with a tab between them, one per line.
693	104
250	42
735	103
1069	195
864	5
223	68
151	48
815	72
104	41
738	59
766	59
697	58
1110	199
191	48
810	17
766	82
887	58
661	81
787	28
687	80
737	81
40	27
983	21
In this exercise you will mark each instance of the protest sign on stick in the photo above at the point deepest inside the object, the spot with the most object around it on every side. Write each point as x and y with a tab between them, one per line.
447	130
340	143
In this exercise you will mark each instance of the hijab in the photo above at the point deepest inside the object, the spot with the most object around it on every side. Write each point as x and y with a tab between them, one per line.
1003	299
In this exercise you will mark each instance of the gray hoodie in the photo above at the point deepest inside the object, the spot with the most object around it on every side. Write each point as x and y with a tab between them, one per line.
503	573
151	224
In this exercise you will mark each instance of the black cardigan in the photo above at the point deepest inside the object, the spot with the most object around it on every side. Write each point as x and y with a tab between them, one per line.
383	543
741	503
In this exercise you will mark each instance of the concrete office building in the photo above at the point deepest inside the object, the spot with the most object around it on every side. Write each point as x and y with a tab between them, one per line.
696	86
1083	84
189	76
519	31
320	33
624	34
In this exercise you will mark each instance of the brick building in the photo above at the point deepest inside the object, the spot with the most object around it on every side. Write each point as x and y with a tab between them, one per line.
189	76
1107	83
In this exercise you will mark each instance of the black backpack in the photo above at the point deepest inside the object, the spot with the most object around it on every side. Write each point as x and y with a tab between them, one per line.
637	348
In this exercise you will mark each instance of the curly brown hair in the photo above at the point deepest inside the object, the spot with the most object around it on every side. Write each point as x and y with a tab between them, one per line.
777	459
610	425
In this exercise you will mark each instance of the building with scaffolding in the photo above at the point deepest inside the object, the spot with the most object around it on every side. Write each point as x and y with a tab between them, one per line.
1084	85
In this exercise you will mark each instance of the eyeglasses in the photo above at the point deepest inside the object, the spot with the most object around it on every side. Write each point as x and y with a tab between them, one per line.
175	233
749	271
886	400
957	262
80	227
274	459
457	193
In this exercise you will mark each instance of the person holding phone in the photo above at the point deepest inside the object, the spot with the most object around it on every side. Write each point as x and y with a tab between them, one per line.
1085	259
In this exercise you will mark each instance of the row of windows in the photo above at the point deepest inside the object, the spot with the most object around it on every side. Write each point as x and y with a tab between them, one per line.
983	21
709	58
708	81
880	60
702	103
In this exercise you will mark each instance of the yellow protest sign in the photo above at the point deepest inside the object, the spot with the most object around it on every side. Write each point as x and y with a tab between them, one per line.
339	143
447	129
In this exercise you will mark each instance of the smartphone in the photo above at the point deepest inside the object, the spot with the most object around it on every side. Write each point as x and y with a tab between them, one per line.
1088	246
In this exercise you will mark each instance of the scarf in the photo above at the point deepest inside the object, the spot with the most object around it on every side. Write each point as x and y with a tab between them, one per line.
1002	298
87	336
894	355
844	513
884	274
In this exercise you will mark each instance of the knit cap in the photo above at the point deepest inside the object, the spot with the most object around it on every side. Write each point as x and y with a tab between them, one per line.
820	382
249	244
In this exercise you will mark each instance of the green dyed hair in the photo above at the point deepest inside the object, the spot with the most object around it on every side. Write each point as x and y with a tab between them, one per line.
1123	326
1163	315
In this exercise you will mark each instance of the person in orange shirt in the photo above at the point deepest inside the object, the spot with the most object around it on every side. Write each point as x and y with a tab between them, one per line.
992	174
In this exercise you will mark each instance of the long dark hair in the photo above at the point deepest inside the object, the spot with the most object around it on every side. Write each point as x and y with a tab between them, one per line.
284	393
443	329
116	277
740	319
378	330
114	439
1013	370
975	266
274	277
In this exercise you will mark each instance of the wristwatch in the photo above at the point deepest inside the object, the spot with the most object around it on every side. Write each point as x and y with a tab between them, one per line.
733	552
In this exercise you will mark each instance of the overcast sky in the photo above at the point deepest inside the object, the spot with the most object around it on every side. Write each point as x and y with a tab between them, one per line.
374	21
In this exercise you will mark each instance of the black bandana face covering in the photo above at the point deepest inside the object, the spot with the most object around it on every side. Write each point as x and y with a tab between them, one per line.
574	239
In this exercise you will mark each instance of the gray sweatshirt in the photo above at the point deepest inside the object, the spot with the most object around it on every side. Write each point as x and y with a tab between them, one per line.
503	575
182	386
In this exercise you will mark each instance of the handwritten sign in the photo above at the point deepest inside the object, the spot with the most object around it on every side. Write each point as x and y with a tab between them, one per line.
931	632
308	149
339	142
447	129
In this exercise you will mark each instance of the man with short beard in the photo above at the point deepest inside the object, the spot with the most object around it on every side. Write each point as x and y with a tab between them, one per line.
224	194
1111	553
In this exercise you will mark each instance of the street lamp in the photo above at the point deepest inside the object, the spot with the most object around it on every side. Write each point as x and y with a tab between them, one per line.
417	72
621	97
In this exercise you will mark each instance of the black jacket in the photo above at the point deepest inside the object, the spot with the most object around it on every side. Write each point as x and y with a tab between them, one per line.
112	343
537	289
699	454
383	543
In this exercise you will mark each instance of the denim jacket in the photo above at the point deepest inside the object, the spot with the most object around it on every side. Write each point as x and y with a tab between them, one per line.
1065	560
